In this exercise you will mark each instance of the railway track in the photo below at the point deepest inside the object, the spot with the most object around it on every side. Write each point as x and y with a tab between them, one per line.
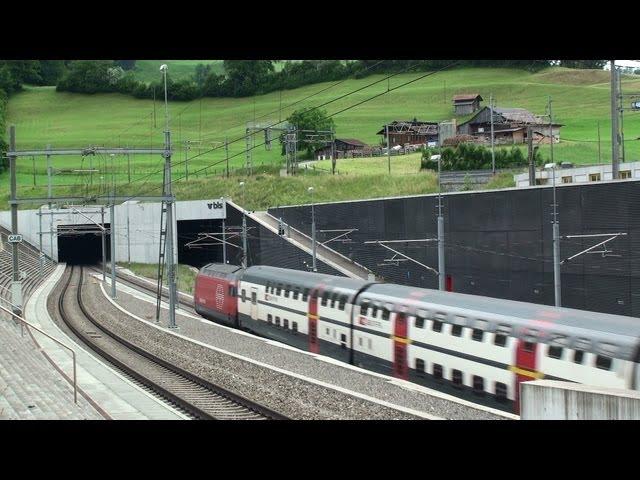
197	396
183	299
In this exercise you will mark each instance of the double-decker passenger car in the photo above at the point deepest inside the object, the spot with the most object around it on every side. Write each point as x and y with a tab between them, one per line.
470	346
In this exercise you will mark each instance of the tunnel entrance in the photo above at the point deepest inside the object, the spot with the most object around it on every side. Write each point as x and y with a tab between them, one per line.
81	245
197	257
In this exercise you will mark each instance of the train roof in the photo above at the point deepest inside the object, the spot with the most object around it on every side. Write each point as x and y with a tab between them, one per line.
262	274
223	268
529	312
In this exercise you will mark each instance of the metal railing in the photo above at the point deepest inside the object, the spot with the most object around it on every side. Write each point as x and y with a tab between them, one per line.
23	322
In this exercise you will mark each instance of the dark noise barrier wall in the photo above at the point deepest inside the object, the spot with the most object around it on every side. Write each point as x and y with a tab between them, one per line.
266	247
499	243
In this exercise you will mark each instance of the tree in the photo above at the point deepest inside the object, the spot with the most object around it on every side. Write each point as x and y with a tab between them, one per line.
125	64
310	119
247	77
201	75
591	64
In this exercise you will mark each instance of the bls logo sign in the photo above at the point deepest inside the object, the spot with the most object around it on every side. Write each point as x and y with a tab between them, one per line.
214	205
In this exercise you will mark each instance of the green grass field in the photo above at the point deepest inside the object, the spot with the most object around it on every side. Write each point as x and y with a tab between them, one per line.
42	115
186	276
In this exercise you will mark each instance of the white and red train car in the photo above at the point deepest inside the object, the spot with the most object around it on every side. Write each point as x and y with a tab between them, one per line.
470	346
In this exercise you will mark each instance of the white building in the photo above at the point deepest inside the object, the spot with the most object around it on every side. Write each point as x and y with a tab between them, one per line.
581	174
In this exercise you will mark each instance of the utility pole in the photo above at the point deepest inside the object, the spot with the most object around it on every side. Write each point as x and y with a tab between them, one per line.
49	195
441	269
313	231
599	148
128	238
388	148
614	123
40	235
333	153
244	228
104	248
112	237
532	166
224	242
551	137
226	152
556	241
16	284
493	155
129	168
154	108
620	99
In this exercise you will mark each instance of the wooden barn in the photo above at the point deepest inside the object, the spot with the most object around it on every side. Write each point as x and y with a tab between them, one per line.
343	148
410	133
509	126
466	103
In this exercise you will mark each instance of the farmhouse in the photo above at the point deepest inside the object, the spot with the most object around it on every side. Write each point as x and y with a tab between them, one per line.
466	103
410	133
510	126
344	147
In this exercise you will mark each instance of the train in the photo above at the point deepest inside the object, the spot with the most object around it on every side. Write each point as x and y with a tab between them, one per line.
473	347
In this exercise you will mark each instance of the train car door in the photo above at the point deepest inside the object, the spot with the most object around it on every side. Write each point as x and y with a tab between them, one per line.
314	345
254	303
525	370
400	341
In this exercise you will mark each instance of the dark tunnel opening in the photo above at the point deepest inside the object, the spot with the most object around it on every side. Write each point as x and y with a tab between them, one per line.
81	244
199	256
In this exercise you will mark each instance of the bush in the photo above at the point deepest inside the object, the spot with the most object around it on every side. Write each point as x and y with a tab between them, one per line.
469	156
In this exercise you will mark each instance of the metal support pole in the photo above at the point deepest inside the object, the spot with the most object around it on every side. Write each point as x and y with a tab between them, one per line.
441	269
313	232
614	123
388	148
556	248
129	167
224	242
128	238
532	163
244	229
599	149
16	285
226	151
170	227
40	244
551	137
104	249
112	236
619	75
493	154
49	195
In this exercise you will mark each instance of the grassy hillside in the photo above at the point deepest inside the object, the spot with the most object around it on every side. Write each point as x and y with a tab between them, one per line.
42	115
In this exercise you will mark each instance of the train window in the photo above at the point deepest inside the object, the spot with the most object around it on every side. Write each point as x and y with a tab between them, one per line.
305	294
325	296
244	295
578	356
374	311
477	335
554	351
500	339
285	323
294	327
269	318
529	346
360	341
457	378
420	367
478	385
254	297
278	321
456	330
437	326
419	322
603	362
343	340
343	302
296	293
501	392
369	342
334	299
279	289
437	371
364	306
327	332
385	313
286	291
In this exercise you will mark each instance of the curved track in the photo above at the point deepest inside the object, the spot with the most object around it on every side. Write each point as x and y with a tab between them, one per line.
197	396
